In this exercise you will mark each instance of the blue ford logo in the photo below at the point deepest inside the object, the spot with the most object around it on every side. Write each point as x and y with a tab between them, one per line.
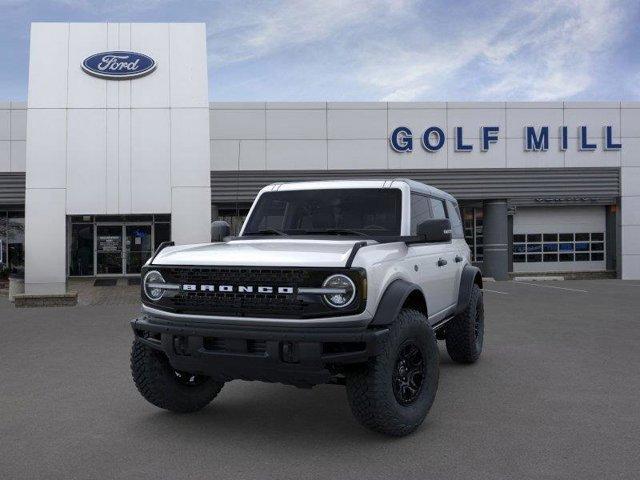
118	65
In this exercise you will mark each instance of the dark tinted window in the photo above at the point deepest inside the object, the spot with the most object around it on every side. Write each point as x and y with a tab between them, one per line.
420	211
437	206
456	222
372	211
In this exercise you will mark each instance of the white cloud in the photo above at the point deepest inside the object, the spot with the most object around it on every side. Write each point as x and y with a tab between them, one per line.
546	51
243	34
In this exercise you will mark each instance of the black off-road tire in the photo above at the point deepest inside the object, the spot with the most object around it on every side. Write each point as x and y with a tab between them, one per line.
160	384
370	387
464	335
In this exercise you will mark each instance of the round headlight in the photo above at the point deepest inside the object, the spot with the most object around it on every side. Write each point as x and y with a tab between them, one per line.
345	291
151	281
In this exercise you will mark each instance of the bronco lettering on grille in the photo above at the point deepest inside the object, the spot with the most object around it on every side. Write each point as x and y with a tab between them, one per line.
190	287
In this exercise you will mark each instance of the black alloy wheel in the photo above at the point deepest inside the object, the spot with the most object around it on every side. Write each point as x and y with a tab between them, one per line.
408	374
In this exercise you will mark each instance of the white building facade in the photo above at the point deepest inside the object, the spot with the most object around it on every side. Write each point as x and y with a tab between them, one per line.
95	171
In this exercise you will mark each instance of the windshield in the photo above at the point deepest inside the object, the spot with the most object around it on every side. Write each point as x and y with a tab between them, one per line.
358	211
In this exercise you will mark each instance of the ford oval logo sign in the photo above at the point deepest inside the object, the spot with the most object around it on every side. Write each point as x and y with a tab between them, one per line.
118	65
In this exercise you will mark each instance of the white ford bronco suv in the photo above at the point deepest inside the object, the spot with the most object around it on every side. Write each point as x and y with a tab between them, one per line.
343	282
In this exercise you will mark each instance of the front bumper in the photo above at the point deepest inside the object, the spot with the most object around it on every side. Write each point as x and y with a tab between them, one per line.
302	356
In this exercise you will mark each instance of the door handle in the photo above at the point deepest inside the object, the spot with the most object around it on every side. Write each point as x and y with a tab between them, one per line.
459	258
442	262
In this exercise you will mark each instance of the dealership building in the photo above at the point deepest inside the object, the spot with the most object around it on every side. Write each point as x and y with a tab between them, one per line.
117	148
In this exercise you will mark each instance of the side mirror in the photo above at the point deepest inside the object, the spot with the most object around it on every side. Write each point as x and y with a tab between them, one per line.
435	230
219	230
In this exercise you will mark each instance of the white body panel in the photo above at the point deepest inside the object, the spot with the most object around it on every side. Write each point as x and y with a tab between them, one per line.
383	262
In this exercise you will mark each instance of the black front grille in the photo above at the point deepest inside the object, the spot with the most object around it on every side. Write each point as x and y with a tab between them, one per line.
250	304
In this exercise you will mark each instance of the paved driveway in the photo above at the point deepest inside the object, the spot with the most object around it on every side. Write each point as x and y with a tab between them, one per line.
555	395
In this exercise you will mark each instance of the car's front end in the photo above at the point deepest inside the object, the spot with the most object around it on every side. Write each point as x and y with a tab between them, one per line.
292	324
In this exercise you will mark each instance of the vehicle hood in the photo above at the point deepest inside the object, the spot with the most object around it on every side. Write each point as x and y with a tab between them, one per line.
279	252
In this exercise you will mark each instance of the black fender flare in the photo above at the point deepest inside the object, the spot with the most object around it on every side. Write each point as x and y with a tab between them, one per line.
392	301
470	275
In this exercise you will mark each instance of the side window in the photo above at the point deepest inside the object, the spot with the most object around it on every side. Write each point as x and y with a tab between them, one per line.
456	222
420	211
438	208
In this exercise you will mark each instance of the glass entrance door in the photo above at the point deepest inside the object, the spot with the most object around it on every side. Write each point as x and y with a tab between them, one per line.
109	260
138	247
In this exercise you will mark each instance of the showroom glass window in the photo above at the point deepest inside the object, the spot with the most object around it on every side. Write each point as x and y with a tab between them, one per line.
558	247
12	239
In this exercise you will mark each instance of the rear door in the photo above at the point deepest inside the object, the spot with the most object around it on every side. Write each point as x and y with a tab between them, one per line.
448	269
423	261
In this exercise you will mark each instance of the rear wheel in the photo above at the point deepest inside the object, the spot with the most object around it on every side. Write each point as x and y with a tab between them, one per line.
464	334
393	392
163	386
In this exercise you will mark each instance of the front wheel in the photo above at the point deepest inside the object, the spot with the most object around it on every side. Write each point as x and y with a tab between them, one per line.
163	386
393	392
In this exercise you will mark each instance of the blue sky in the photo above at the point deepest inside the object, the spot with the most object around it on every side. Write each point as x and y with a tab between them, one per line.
363	50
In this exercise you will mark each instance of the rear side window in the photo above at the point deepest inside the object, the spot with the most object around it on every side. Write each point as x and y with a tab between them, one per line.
420	211
456	222
437	206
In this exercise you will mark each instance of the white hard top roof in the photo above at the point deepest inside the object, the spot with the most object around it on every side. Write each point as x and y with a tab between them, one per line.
414	186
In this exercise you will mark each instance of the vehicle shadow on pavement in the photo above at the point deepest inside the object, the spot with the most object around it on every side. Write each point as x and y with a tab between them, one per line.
271	412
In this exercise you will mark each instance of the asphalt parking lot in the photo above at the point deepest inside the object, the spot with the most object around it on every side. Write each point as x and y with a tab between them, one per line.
555	395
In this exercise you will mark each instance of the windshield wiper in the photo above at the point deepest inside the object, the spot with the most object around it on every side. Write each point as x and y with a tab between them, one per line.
336	231
268	231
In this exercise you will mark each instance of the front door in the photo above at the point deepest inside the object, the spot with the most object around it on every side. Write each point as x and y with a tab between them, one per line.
138	247
109	250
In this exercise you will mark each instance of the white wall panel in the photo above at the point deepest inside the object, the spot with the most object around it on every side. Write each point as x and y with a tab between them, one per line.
124	86
253	155
18	156
5	156
630	239
191	215
592	118
124	161
224	154
188	53
495	157
296	154
517	157
356	124
86	91
630	153
86	161
45	241
152	91
18	124
48	62
113	43
418	120
5	124
630	120
598	158
630	211
357	154
630	267
190	165
237	124
518	118
296	124
150	161
47	148
471	119
112	162
630	181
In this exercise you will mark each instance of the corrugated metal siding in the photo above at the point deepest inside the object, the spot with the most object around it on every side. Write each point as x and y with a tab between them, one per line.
12	188
601	185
